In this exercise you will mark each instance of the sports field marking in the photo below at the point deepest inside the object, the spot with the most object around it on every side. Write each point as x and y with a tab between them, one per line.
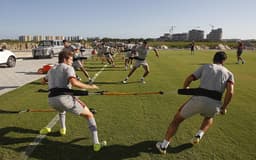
31	147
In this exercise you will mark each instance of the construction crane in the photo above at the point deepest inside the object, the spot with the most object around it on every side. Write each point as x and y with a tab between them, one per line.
171	29
212	26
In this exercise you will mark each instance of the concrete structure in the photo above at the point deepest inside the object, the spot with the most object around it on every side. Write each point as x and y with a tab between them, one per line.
180	37
195	35
166	37
37	38
215	35
25	38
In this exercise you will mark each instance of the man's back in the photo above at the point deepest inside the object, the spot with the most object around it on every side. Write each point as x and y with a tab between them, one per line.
214	77
59	75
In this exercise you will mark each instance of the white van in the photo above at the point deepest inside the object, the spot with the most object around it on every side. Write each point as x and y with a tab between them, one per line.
48	48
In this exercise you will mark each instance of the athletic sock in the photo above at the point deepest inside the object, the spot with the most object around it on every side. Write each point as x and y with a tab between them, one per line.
200	133
93	128
62	116
165	144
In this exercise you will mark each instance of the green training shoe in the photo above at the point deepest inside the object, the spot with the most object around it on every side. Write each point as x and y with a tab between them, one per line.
97	147
195	140
45	130
63	131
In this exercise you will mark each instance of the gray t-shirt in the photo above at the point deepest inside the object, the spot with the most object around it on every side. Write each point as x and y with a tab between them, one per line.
214	77
142	52
59	75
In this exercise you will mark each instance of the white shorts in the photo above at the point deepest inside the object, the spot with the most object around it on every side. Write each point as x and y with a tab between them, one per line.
128	55
140	63
108	55
66	103
77	64
204	106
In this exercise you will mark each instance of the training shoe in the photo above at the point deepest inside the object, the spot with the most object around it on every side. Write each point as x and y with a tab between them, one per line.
94	111
63	131
195	140
159	148
90	81
45	130
97	147
124	81
78	78
142	81
243	62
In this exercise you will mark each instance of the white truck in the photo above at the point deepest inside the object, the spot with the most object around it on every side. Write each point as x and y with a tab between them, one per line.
47	48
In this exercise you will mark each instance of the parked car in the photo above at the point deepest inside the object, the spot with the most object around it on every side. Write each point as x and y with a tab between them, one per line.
48	48
7	57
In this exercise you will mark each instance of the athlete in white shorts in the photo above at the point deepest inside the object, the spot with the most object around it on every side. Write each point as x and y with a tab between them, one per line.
214	78
62	77
140	60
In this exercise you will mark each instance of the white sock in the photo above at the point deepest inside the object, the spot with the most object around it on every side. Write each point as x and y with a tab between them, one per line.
200	133
62	116
165	144
93	129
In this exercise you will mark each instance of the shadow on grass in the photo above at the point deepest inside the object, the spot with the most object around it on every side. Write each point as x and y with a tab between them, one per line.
117	82
36	83
52	150
29	73
6	87
6	140
179	148
227	63
97	70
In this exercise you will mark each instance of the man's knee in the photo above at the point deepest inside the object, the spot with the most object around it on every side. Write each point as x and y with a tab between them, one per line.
87	114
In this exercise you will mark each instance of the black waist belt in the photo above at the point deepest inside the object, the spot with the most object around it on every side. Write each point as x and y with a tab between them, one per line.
201	92
106	53
140	59
65	91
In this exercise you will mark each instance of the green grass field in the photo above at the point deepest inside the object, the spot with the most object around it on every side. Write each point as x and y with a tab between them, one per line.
133	124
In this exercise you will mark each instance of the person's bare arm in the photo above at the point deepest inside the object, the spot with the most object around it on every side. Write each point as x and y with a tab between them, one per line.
188	80
228	96
156	52
43	81
81	85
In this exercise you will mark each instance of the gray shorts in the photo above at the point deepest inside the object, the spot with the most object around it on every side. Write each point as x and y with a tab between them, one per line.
128	55
77	64
205	106
140	63
66	103
108	55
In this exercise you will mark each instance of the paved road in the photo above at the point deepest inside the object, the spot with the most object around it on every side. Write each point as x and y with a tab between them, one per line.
24	72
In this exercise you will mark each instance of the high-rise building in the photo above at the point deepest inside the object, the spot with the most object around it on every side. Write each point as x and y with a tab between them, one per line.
195	35
215	35
180	37
38	38
25	38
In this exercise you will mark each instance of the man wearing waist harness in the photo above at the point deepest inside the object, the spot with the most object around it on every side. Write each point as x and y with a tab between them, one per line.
213	78
140	60
62	76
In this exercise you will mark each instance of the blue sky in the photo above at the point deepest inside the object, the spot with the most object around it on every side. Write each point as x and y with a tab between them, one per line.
126	18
